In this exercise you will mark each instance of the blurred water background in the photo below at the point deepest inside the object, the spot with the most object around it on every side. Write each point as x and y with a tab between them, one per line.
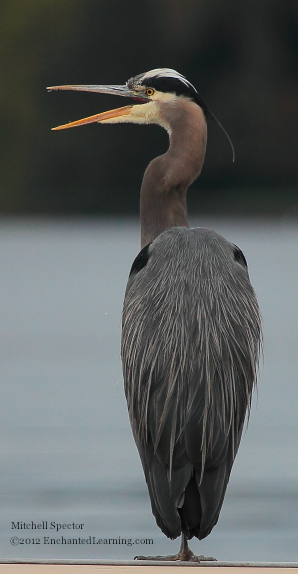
66	449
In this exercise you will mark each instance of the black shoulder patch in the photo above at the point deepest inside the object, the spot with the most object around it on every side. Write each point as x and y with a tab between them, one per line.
141	260
239	256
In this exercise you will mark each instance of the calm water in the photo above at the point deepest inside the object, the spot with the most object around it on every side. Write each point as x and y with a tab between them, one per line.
66	451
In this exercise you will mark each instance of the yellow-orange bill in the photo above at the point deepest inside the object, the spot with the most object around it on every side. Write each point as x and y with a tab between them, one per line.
97	118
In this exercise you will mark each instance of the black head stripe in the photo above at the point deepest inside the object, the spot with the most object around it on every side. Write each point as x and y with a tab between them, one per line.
168	84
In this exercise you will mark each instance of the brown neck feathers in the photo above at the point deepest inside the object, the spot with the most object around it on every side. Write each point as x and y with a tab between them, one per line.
167	177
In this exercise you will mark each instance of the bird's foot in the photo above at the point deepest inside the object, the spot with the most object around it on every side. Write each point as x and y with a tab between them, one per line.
188	556
184	555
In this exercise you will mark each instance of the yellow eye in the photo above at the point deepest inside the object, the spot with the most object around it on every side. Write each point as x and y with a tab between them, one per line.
149	92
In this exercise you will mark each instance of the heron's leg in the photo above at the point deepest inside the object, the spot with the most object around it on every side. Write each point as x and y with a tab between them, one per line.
184	555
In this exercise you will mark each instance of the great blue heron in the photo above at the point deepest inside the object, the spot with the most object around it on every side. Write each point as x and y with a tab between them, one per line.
191	322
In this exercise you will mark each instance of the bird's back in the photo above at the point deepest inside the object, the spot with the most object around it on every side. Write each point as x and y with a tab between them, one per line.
190	348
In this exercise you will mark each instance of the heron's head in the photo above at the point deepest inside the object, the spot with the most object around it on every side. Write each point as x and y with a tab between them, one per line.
149	90
152	91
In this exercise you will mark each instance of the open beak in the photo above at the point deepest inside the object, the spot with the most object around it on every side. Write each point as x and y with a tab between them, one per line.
114	90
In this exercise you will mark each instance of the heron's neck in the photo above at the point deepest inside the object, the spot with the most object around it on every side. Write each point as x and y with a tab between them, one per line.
167	177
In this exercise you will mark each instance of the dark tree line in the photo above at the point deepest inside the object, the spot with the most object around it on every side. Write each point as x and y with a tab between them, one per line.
241	56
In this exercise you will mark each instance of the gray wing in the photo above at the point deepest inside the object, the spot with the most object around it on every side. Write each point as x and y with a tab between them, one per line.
190	348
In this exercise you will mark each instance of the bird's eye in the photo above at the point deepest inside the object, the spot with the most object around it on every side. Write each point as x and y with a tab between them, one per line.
149	92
